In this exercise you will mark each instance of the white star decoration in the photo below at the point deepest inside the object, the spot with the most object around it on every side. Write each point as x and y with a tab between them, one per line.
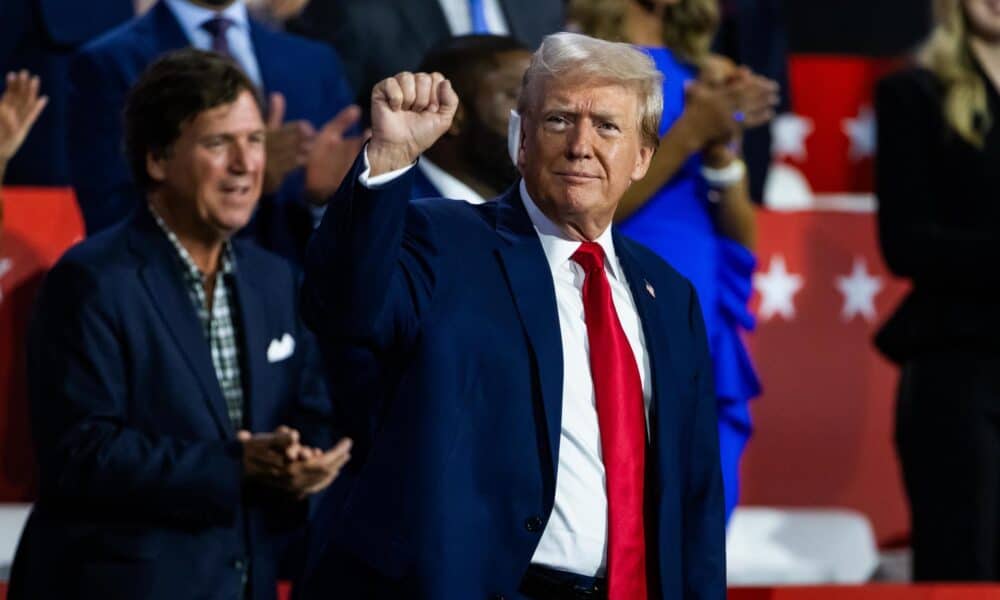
777	289
788	135
861	131
859	290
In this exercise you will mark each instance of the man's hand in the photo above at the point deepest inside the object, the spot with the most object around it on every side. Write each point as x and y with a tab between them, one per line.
278	460
409	113
288	144
315	469
267	455
19	109
332	155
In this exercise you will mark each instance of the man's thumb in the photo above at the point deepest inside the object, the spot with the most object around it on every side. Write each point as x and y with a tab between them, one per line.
276	111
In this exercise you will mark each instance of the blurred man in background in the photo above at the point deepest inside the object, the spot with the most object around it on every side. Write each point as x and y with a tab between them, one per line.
310	116
470	161
378	38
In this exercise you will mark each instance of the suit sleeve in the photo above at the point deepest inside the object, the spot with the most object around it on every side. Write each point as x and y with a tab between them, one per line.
98	168
79	407
369	272
704	542
312	414
914	242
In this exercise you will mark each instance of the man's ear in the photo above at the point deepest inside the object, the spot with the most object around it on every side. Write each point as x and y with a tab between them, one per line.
642	162
521	142
156	166
458	121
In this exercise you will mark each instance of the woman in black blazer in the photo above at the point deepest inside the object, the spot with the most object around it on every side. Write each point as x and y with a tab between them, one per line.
938	184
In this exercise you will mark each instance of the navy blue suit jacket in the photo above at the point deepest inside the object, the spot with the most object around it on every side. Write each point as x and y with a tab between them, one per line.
307	73
41	36
142	494
456	306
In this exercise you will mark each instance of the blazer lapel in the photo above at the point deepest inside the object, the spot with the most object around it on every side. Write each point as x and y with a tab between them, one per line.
159	274
268	60
662	414
530	282
161	31
253	317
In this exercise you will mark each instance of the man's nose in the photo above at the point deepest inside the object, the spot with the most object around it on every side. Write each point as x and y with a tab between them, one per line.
239	158
579	141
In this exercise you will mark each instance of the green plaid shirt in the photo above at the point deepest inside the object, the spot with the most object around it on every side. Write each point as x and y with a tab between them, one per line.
218	326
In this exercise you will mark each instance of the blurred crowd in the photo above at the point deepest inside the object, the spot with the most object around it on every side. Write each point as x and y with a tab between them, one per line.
102	96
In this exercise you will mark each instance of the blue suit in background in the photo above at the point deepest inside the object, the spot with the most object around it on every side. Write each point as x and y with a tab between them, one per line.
142	491
454	478
41	36
307	73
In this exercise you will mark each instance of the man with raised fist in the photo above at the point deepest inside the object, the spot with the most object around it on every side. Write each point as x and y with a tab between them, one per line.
544	425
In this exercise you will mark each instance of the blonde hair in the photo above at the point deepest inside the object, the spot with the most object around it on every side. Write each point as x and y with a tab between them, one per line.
688	26
579	56
948	55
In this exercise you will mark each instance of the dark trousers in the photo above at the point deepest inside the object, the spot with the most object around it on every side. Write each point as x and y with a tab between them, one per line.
948	439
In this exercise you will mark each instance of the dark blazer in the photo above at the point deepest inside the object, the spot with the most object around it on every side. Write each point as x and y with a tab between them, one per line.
939	220
141	493
41	36
379	38
105	69
456	304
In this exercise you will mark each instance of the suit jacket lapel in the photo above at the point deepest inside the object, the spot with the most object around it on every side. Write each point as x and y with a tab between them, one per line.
268	59
161	277
253	316
531	286
159	27
662	414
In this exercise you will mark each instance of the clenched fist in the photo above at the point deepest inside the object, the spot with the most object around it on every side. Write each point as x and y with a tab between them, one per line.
409	113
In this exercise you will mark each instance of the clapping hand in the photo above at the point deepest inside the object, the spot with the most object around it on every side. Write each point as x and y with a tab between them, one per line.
288	144
20	106
332	155
279	460
409	113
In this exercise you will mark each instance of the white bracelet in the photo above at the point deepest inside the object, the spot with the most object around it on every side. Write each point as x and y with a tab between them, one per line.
725	177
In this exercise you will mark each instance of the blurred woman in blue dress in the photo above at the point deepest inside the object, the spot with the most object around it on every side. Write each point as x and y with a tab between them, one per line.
694	207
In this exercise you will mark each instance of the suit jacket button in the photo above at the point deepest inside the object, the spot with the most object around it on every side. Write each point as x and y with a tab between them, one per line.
533	524
497	597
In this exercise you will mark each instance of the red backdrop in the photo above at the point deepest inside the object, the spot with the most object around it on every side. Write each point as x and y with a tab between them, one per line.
39	224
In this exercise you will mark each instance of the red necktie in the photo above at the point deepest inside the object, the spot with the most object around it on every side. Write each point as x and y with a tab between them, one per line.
622	419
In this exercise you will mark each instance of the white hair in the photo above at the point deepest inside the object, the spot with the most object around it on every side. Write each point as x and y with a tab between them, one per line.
580	56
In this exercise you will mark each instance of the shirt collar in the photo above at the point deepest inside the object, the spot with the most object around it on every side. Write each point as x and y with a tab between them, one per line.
447	184
191	17
191	270
558	247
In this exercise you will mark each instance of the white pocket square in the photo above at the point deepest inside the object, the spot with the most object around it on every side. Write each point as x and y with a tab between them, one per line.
279	350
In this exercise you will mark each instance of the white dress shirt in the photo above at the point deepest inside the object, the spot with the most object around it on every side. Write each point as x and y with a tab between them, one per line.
192	17
456	12
447	184
576	536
